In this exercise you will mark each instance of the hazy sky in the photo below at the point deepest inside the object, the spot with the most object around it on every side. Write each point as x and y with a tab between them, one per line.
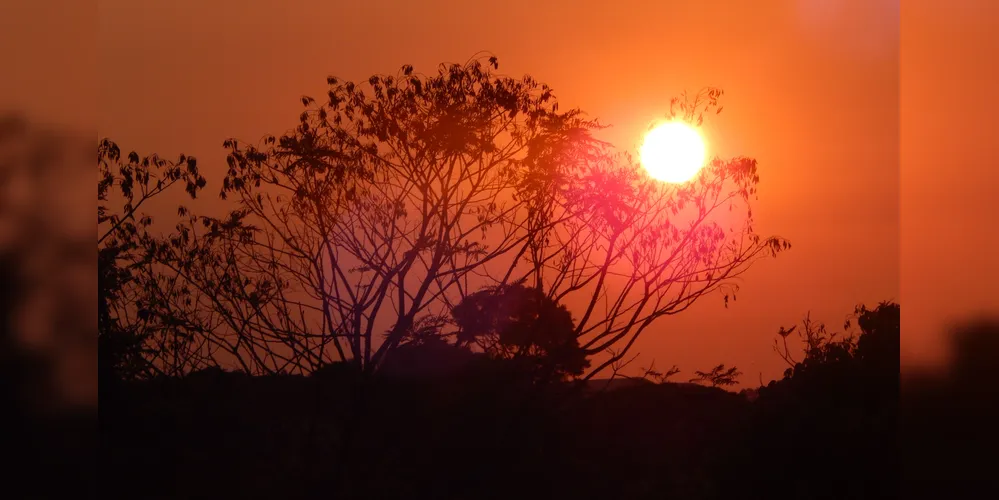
812	92
950	169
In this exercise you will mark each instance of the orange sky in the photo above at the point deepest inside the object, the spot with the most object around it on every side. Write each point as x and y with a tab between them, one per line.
949	240
812	91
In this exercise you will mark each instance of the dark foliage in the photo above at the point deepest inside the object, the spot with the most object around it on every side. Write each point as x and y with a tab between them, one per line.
524	325
828	428
132	311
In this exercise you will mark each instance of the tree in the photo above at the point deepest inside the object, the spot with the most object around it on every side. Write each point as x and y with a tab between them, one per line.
132	342
521	324
395	200
386	201
717	376
872	352
628	249
836	404
822	348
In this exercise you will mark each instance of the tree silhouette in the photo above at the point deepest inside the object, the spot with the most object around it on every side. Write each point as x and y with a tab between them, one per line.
387	199
521	324
660	377
395	200
635	249
836	404
132	341
717	376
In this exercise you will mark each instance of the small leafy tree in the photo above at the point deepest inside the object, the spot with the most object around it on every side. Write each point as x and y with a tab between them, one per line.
717	376
521	324
660	377
391	202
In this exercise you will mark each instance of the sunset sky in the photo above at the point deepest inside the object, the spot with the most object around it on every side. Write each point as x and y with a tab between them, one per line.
812	91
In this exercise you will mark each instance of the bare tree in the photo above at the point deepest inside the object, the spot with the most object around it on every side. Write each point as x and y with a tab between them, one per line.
394	200
877	338
391	203
627	249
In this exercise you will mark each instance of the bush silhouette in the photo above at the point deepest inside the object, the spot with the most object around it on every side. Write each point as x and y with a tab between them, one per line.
838	405
523	325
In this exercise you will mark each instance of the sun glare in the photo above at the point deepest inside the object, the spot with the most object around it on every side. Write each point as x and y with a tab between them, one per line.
673	152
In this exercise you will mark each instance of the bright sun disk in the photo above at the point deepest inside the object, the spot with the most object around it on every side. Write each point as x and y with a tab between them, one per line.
673	152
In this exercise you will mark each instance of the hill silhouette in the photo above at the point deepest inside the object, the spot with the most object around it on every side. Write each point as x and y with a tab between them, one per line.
481	429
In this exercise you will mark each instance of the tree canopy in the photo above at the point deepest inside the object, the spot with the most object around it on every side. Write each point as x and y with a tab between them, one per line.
399	202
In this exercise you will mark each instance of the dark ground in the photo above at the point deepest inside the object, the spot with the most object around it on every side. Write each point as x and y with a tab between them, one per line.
229	435
835	427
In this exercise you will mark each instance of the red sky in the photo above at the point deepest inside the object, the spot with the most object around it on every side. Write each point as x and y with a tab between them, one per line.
812	92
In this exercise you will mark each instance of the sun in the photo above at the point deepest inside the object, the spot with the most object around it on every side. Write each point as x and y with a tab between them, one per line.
673	152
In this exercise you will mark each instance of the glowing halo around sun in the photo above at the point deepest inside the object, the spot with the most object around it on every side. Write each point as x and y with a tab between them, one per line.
673	152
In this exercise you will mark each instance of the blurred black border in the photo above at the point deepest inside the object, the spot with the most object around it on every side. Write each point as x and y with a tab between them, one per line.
946	435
